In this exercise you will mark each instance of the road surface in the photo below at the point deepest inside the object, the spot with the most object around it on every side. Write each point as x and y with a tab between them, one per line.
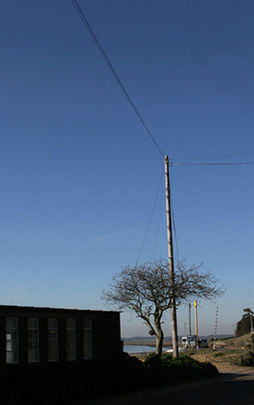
227	390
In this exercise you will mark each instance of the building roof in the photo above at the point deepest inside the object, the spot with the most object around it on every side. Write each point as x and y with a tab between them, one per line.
16	308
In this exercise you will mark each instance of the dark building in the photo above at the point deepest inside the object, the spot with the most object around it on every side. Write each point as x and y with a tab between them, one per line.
43	335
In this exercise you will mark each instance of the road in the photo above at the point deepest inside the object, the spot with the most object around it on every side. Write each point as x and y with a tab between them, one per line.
227	390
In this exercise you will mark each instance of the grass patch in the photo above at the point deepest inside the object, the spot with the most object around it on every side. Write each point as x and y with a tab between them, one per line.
218	354
238	341
247	359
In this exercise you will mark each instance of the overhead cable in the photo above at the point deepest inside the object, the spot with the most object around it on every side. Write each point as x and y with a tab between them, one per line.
227	155
212	164
115	74
174	229
156	234
150	220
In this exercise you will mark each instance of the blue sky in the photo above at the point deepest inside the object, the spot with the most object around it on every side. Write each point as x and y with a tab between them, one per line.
78	173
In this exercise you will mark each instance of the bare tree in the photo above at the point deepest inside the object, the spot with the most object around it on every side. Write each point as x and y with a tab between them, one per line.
145	289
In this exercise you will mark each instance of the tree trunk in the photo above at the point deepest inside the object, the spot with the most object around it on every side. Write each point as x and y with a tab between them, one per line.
159	342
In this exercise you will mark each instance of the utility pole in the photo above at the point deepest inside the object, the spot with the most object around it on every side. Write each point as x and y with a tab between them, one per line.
189	319
196	321
171	262
215	327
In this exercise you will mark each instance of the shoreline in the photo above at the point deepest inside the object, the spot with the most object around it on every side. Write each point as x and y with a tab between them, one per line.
144	343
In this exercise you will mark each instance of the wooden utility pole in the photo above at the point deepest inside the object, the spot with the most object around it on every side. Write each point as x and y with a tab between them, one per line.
215	327
189	319
196	321
171	262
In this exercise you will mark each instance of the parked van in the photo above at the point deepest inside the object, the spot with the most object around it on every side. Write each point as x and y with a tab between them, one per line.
189	341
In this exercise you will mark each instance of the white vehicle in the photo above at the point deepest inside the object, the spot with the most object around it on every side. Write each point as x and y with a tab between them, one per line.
189	341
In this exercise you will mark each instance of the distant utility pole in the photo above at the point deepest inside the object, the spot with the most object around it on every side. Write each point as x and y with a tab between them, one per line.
189	319
171	262
215	327
196	320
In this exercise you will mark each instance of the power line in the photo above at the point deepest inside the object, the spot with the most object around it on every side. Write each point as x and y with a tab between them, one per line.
148	131
156	234
113	71
174	229
217	156
213	164
150	220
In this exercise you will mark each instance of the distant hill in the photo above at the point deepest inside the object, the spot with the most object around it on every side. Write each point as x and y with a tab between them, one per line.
150	340
137	338
236	341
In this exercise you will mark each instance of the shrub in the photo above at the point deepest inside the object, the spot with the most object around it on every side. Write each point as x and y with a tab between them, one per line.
168	369
153	360
247	359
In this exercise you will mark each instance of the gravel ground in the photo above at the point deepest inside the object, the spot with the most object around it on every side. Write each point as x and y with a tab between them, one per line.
225	364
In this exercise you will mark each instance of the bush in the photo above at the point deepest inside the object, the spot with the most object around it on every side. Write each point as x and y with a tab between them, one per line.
153	360
247	360
167	369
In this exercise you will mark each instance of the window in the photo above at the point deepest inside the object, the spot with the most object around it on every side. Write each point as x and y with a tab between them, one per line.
12	340
52	340
87	339
70	339
33	340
